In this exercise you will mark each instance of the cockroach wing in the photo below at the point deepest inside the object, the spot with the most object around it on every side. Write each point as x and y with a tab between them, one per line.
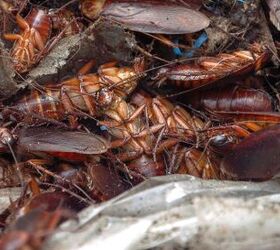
155	16
257	157
47	140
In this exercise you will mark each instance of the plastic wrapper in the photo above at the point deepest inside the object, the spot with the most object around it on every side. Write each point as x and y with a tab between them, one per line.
179	212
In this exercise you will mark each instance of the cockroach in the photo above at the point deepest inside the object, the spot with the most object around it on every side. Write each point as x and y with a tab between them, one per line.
64	144
147	166
38	219
106	181
177	123
232	99
257	157
123	123
50	202
90	93
150	16
132	138
35	32
206	70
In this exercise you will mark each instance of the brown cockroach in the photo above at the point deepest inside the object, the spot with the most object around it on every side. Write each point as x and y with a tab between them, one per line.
256	157
63	144
151	16
35	32
206	70
37	219
232	99
106	181
84	94
131	137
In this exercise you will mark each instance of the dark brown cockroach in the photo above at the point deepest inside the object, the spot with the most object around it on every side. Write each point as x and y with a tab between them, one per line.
80	95
151	16
106	181
148	166
257	157
206	70
32	39
232	99
51	201
63	144
38	219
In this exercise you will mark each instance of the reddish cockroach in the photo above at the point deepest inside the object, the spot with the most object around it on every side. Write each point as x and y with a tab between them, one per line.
35	32
106	181
34	38
66	144
37	219
256	157
151	16
206	70
232	99
78	96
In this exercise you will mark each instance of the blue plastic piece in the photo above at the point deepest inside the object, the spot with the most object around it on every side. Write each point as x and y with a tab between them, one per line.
103	128
197	44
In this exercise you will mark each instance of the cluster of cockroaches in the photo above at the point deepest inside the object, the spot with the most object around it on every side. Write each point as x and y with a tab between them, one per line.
226	128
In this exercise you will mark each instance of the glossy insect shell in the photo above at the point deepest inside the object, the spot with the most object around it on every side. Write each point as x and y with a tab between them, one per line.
232	99
153	16
38	19
255	158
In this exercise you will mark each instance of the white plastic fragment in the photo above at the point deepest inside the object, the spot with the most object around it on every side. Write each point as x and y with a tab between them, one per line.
182	212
